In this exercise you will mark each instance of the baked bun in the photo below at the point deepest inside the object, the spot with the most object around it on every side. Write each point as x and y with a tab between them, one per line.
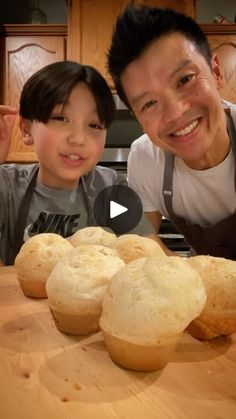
94	248
218	317
146	307
92	235
36	259
133	246
76	288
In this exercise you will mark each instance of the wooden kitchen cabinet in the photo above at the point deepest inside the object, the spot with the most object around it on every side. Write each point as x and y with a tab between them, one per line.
184	6
90	25
27	48
86	38
222	39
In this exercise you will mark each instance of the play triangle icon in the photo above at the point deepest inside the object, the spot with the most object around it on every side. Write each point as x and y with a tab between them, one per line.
116	209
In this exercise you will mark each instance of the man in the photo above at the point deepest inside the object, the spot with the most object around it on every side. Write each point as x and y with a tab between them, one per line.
183	167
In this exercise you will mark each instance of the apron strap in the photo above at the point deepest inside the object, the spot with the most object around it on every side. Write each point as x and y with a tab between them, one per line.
24	210
88	202
167	190
232	135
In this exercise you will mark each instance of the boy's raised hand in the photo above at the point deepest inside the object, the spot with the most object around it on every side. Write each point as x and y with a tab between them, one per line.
7	118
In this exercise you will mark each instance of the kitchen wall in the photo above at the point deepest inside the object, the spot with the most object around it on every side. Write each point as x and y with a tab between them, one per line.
16	11
206	10
124	129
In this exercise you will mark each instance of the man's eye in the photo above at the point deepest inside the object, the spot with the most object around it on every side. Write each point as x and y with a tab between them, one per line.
148	104
59	118
186	79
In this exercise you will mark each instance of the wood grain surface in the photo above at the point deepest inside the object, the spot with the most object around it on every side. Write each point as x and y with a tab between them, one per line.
47	374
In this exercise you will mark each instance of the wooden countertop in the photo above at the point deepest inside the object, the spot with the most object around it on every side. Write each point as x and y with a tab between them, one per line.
47	374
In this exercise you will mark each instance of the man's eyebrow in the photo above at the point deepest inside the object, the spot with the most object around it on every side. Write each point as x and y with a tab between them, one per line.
140	96
137	98
180	67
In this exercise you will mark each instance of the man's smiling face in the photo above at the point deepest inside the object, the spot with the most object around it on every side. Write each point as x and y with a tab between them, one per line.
173	93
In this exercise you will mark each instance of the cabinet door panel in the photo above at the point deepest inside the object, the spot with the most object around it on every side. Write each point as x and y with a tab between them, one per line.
226	52
90	25
184	6
24	56
222	40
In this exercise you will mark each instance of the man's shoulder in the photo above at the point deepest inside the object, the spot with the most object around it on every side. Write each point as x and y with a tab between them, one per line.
227	104
144	147
141	142
230	108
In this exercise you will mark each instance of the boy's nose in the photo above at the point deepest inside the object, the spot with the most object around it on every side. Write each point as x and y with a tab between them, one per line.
77	139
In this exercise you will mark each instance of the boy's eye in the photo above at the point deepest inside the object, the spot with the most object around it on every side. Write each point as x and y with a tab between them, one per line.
96	126
148	104
60	118
186	79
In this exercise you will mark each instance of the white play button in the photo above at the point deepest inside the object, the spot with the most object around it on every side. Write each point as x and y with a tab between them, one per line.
119	208
116	209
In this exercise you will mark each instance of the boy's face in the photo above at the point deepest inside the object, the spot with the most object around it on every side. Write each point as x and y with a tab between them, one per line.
70	143
173	93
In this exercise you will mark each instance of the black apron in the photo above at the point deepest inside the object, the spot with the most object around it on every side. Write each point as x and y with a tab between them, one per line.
215	240
90	190
24	206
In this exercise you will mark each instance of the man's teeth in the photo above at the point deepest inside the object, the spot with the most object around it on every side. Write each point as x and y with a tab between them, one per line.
187	129
73	157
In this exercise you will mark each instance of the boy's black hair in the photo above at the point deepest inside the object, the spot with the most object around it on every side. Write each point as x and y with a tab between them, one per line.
138	27
52	85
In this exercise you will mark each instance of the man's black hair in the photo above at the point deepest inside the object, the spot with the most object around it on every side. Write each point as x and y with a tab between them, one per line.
138	27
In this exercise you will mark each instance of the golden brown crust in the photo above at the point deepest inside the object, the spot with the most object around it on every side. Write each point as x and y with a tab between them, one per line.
76	324
218	317
140	357
35	289
199	330
38	256
133	246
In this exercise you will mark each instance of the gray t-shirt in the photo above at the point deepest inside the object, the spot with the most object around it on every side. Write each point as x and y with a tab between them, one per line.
53	210
50	210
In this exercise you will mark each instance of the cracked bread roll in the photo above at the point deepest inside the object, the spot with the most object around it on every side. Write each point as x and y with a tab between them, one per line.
92	235
76	288
36	259
94	248
146	307
218	318
133	246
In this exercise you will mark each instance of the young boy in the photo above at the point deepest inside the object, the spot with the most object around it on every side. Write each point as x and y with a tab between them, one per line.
184	166
65	110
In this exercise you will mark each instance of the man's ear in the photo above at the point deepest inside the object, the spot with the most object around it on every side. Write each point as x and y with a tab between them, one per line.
25	127
218	75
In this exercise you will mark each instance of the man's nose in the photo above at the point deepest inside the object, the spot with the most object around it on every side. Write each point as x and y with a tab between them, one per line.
174	107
